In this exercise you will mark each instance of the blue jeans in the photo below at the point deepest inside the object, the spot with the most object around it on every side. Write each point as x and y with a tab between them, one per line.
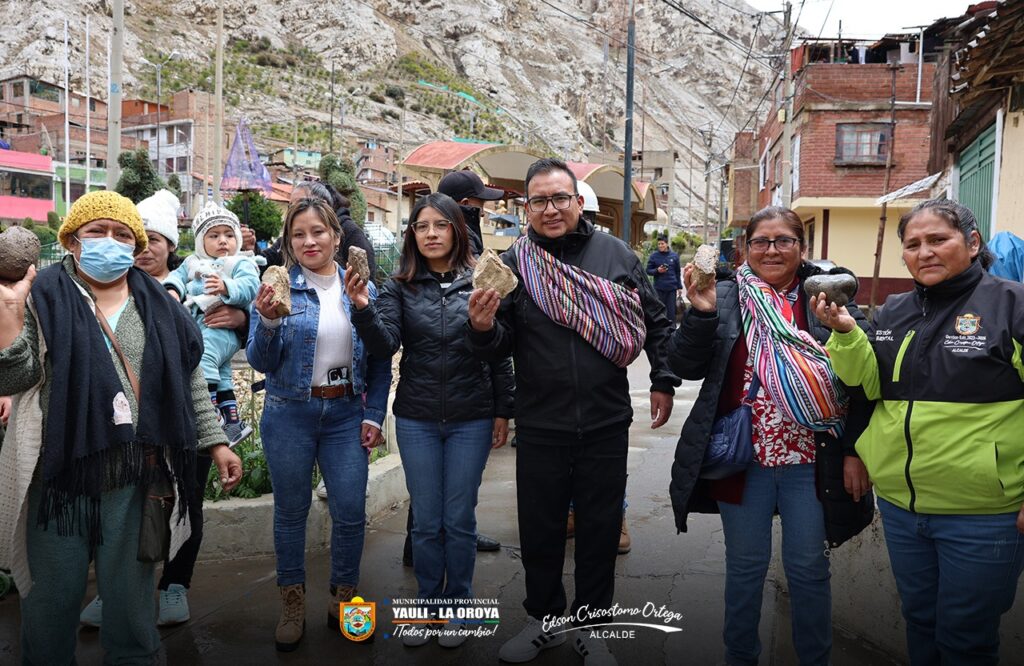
444	463
748	550
956	575
297	433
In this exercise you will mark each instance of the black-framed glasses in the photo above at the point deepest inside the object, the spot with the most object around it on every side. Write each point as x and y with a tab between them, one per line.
540	204
782	243
420	228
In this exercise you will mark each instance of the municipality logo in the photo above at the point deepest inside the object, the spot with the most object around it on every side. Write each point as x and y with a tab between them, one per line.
358	619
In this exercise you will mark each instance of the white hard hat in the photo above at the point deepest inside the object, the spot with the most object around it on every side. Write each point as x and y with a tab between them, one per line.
589	197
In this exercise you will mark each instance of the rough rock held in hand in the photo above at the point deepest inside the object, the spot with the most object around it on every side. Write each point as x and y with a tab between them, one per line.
19	249
839	288
704	262
277	277
492	273
357	259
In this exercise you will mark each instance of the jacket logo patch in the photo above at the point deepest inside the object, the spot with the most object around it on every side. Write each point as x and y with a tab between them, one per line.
968	324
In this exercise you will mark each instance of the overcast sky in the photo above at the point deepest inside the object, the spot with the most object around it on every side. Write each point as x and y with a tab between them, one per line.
866	18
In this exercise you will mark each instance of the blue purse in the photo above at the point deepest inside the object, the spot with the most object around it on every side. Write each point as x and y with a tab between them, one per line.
731	449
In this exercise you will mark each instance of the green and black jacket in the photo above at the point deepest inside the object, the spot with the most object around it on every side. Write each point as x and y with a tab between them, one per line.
947	433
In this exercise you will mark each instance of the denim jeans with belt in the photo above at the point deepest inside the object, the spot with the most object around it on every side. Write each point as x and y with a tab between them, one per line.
956	575
444	463
297	433
748	551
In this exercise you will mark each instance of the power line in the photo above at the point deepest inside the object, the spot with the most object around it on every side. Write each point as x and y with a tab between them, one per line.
743	71
687	13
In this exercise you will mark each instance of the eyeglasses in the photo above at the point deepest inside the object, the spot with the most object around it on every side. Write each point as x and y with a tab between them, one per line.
782	243
559	201
440	226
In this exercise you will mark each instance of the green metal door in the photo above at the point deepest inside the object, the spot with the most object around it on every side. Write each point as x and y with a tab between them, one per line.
977	170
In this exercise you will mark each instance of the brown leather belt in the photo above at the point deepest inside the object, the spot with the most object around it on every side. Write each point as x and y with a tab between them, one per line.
331	392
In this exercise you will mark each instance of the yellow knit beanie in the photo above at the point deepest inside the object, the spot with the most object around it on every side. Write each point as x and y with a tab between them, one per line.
103	205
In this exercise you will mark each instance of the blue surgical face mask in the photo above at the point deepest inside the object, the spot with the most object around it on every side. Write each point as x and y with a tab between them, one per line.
105	259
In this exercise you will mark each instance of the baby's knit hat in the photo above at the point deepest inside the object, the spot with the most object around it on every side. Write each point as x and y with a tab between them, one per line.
160	214
209	217
101	205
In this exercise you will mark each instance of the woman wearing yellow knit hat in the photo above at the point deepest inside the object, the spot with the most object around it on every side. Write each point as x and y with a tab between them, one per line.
107	393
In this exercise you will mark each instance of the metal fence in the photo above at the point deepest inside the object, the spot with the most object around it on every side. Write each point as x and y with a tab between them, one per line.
51	254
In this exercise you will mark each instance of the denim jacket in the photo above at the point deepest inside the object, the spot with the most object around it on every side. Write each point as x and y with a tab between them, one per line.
285	353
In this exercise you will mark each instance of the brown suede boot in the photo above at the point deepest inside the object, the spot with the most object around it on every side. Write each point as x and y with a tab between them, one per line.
292	624
570	525
339	595
625	543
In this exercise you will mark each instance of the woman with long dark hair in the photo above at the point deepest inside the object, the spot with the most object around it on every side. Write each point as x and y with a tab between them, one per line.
450	409
326	398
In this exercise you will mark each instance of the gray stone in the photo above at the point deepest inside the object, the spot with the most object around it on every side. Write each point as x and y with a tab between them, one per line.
839	289
277	278
357	260
19	249
492	273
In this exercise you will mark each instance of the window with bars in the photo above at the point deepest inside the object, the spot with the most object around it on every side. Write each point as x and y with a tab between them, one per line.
862	143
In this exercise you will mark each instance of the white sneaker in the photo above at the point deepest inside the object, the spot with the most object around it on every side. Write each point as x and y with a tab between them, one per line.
173	606
321	490
593	650
528	643
92	615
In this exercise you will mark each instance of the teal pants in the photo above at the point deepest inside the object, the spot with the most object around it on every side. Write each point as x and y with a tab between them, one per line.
60	569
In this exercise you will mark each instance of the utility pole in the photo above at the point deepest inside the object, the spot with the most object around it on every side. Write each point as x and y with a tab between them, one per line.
398	173
721	204
67	121
894	69
88	114
218	131
627	158
604	97
709	139
295	154
689	183
206	153
114	98
787	106
159	163
331	142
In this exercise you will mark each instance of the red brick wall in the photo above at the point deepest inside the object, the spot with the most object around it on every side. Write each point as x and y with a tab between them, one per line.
845	87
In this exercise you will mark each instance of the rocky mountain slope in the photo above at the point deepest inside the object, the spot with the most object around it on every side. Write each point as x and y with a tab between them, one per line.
533	71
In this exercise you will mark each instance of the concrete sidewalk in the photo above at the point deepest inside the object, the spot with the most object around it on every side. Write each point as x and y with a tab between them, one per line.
235	603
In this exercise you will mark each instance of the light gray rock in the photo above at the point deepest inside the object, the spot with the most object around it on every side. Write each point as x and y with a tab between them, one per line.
277	277
704	262
492	273
357	259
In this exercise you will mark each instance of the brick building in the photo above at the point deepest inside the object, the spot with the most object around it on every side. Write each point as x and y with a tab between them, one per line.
841	135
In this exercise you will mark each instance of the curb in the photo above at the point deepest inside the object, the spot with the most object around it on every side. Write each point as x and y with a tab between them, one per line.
236	527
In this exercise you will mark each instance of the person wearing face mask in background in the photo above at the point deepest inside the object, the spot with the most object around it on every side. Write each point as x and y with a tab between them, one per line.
214	277
105	378
470	193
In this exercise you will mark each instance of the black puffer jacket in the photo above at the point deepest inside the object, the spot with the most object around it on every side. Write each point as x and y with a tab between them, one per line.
700	349
439	379
562	382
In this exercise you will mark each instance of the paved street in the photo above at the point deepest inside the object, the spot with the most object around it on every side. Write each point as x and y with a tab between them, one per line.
235	604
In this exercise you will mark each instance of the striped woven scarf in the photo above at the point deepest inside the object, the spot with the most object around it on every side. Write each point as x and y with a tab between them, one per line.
605	314
794	369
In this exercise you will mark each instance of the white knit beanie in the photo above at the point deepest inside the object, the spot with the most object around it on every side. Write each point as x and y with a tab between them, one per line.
160	214
212	216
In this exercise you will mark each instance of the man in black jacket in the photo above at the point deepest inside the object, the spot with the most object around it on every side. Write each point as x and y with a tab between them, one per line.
470	193
573	413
